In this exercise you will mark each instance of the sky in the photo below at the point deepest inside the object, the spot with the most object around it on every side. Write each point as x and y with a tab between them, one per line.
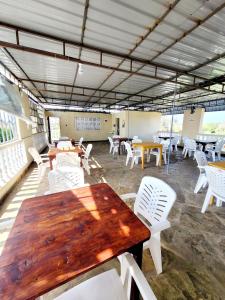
214	117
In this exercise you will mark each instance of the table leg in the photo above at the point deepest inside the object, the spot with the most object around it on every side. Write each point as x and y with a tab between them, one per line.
137	254
143	158
119	148
160	158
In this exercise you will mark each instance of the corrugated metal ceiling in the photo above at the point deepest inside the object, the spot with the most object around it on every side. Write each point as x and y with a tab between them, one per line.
117	54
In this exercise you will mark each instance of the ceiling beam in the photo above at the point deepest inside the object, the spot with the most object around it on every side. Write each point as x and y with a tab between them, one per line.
12	58
141	39
117	94
81	40
219	8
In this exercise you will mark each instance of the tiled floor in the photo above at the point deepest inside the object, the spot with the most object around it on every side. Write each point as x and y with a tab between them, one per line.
193	248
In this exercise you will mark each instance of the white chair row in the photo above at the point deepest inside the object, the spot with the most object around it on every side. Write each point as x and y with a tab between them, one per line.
215	149
213	177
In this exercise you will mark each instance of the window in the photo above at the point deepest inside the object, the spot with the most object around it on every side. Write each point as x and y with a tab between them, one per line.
8	127
214	123
83	123
37	117
177	123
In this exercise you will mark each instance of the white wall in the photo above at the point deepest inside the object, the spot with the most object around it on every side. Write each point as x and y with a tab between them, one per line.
67	125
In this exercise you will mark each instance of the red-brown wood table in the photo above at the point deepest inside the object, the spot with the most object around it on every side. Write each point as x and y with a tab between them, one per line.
60	236
53	151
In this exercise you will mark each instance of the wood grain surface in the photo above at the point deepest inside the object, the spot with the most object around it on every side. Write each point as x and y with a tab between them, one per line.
60	236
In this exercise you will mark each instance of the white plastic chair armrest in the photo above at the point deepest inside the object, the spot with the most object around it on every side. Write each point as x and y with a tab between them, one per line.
160	226
47	193
44	155
128	196
141	282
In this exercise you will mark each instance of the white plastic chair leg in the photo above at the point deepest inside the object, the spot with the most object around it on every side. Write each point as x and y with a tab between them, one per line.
213	156
127	160
132	162
202	181
164	158
206	201
219	155
218	203
154	246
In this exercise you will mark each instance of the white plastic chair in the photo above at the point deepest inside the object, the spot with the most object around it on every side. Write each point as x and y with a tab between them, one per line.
156	153
64	144
114	146
216	149
42	162
202	163
216	181
135	137
110	286
133	154
174	142
79	144
190	147
65	178
67	159
85	159
153	203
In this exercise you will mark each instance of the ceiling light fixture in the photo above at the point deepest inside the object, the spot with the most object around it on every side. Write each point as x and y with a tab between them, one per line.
80	69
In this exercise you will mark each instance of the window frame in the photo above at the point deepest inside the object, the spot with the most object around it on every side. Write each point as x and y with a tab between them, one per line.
9	129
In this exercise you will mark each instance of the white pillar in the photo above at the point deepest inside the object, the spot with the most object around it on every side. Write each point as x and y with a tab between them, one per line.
192	123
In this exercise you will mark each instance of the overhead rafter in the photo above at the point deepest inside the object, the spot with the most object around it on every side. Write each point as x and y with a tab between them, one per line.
219	8
21	69
115	93
141	39
81	40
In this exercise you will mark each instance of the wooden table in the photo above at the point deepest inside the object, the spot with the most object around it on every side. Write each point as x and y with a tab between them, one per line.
53	151
218	164
60	236
120	140
148	146
71	140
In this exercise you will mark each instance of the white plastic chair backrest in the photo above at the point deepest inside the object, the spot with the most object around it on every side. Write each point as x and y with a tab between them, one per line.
80	141
88	151
128	149
216	180
191	144
67	159
64	144
36	156
219	145
65	178
165	144
136	141
175	140
116	136
156	139
110	140
154	200
135	137
201	158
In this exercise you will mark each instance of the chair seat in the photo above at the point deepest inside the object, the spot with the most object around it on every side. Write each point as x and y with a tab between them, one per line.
104	286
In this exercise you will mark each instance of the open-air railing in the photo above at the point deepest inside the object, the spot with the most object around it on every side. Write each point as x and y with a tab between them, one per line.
12	159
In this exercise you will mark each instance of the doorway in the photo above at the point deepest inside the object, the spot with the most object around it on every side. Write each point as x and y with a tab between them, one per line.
117	126
53	129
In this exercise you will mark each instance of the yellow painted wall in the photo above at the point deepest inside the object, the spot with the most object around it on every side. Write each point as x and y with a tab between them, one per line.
192	123
142	124
67	125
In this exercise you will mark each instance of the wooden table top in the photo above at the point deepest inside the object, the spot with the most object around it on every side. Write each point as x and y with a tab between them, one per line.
53	151
60	236
147	145
218	164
